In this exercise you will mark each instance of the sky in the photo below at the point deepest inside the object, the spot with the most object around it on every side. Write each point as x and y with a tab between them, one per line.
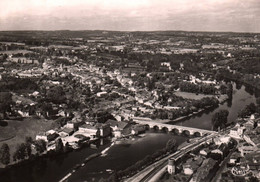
131	15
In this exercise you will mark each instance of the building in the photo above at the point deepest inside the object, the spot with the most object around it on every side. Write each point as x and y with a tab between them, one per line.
73	124
137	129
104	129
171	166
117	127
114	125
89	130
66	132
237	132
47	136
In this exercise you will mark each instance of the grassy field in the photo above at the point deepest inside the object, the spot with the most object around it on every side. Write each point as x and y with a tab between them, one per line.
19	130
188	95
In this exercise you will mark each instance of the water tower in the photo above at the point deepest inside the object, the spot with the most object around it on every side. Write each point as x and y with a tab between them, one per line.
171	166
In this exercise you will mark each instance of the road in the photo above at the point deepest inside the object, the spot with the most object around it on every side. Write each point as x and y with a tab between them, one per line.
148	173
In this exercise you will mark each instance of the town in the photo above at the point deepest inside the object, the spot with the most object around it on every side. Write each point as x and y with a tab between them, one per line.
62	91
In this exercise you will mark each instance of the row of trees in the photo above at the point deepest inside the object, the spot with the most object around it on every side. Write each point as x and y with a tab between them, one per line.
5	154
23	150
197	88
226	89
220	119
250	109
5	102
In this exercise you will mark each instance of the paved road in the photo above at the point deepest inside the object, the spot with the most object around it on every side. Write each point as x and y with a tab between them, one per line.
148	173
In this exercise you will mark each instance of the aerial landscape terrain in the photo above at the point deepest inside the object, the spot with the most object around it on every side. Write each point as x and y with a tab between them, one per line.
111	104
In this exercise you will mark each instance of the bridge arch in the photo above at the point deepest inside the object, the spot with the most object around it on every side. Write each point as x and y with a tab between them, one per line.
186	132
197	134
156	128
165	129
147	127
176	131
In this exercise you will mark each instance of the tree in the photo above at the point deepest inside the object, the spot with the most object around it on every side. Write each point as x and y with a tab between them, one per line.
249	109
5	154
229	90
40	146
56	95
5	102
67	147
253	179
28	144
59	146
219	119
171	145
20	152
29	140
114	177
258	101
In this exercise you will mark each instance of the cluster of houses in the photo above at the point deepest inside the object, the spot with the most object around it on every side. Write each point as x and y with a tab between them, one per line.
76	132
243	161
200	164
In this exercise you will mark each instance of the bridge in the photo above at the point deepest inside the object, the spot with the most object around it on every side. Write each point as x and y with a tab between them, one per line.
174	128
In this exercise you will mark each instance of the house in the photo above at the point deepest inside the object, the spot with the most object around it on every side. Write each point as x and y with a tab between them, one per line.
237	132
188	169
89	130
73	124
117	127
47	136
42	136
62	113
100	94
216	154
114	125
127	114
24	113
68	131
137	129
104	129
247	149
222	139
204	170
71	140
117	133
118	117
148	103
204	152
63	134
191	165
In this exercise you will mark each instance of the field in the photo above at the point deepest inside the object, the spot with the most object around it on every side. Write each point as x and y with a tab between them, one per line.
188	95
19	130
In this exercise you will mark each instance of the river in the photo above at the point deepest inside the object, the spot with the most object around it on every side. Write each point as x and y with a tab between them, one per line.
119	156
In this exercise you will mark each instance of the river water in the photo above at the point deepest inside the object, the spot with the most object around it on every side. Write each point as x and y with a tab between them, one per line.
119	156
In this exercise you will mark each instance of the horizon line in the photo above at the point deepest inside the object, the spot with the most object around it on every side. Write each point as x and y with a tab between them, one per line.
110	30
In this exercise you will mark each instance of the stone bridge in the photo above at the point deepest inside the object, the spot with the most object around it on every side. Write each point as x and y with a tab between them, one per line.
175	128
